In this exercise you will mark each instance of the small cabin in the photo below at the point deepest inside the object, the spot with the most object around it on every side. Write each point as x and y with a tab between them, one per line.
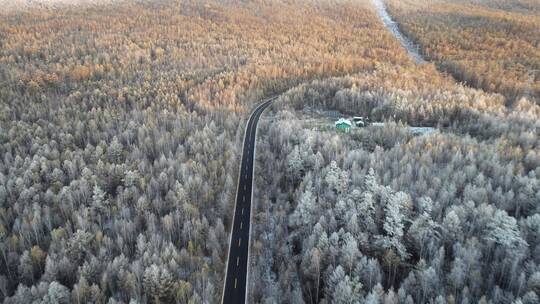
343	124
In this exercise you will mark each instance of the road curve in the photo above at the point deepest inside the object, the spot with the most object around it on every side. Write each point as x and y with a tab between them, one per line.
236	273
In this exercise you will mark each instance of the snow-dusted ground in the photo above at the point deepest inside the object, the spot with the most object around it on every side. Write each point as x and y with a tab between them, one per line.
10	5
414	130
411	48
422	130
324	121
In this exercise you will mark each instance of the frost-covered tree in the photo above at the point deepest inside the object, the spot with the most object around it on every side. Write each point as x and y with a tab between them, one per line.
295	165
158	284
305	212
502	229
56	294
394	224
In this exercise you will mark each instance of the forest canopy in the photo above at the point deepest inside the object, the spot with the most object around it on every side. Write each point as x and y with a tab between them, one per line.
380	215
119	132
491	45
120	127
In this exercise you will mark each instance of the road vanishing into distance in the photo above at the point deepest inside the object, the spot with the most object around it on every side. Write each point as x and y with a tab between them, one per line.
236	274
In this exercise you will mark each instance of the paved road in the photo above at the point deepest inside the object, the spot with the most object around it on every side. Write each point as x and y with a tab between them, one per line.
237	263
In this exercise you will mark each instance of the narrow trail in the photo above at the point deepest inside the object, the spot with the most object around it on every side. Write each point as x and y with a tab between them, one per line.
411	48
414	50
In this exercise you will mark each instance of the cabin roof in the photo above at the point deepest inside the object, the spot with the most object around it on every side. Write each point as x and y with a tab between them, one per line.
343	121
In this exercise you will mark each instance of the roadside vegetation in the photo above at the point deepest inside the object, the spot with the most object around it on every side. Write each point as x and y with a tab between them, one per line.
491	45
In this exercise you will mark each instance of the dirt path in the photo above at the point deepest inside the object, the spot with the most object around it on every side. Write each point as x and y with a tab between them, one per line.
392	26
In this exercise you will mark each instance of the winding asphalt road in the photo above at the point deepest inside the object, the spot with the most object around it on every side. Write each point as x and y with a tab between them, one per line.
236	274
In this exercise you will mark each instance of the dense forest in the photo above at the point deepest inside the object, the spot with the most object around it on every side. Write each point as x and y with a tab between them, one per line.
120	127
492	45
378	215
119	134
382	216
